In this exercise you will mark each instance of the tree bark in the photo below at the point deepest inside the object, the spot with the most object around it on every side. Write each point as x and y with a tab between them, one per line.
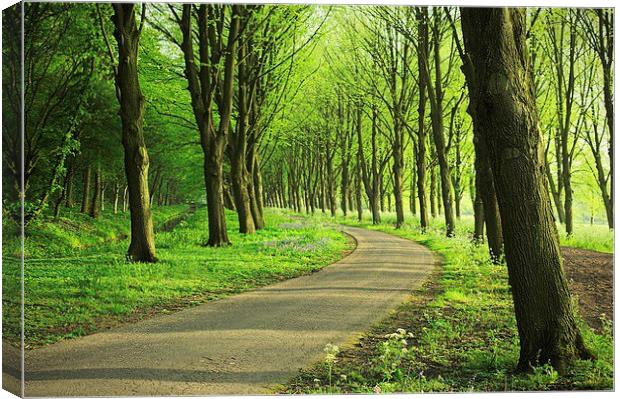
506	110
127	34
86	191
421	147
203	82
370	177
95	203
116	195
478	211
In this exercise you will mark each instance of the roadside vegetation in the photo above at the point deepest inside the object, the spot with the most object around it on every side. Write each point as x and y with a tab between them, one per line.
456	334
76	290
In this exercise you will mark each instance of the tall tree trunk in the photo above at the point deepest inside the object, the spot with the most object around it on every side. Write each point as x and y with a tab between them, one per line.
203	82
433	196
239	179
358	189
435	96
478	211
412	198
214	183
66	188
86	191
486	187
506	111
127	34
398	165
116	195
257	203
486	207
125	198
420	157
95	204
238	141
555	194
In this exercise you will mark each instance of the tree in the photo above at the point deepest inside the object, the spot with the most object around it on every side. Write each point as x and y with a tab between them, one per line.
435	96
599	32
211	82
127	35
485	203
506	110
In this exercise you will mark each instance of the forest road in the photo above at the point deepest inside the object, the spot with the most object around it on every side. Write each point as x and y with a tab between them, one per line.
243	344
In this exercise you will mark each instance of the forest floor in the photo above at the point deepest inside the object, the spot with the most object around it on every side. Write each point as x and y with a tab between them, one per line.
241	344
591	281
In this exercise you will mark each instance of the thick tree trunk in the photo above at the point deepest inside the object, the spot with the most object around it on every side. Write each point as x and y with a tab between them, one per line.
238	142
202	82
239	179
435	95
506	111
214	183
127	34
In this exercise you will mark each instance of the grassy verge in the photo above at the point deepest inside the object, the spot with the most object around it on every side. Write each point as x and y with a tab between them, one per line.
459	335
72	291
595	237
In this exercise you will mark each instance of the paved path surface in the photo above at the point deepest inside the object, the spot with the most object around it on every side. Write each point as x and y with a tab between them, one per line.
243	344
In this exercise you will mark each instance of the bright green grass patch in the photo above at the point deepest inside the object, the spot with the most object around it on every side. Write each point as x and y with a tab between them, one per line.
466	340
595	237
74	232
76	295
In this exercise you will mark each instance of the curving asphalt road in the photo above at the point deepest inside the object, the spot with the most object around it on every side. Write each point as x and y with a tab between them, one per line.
243	344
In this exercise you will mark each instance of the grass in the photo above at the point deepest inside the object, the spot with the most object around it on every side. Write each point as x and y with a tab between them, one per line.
76	284
595	237
462	338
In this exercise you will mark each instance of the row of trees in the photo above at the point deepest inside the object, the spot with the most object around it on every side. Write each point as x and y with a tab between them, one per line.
395	73
390	106
323	108
214	77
